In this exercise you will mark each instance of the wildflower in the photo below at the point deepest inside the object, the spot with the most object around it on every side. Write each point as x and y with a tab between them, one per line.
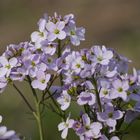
92	129
86	98
7	65
76	34
64	126
110	116
119	89
101	55
55	30
64	100
41	80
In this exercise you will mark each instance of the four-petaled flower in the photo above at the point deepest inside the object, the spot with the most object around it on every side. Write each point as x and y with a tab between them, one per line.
6	65
55	30
64	126
101	55
110	117
41	80
120	88
92	129
86	98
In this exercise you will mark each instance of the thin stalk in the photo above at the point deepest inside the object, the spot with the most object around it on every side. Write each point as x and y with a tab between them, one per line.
55	103
59	55
24	98
97	95
48	88
37	116
33	90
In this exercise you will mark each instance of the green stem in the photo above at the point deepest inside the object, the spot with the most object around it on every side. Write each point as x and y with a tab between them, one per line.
59	55
55	103
97	95
37	113
37	116
23	97
33	90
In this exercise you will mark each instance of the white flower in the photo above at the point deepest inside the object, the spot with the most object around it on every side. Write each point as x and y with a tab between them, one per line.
7	65
64	126
77	64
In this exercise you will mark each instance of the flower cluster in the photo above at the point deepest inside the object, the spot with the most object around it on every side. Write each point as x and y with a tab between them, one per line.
93	78
96	79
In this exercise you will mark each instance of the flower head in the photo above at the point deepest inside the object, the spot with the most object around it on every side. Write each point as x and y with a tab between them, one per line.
41	80
55	30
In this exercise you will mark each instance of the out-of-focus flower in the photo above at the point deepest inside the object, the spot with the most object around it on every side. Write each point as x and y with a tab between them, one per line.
101	55
86	98
64	126
110	116
64	100
76	34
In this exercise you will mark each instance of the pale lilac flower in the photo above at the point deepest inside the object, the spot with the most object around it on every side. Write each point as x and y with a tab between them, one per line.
92	129
64	126
119	89
105	71
89	85
105	89
41	80
86	98
33	65
6	134
48	47
38	36
64	100
42	24
55	30
79	128
76	34
69	19
77	65
88	70
7	65
70	59
110	116
101	55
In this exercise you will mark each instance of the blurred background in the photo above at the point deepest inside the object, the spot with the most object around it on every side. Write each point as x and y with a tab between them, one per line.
114	23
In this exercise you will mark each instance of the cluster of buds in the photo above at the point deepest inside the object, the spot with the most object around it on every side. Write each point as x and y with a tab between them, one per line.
96	79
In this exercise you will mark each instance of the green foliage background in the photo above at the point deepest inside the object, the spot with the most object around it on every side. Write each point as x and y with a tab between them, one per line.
114	23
